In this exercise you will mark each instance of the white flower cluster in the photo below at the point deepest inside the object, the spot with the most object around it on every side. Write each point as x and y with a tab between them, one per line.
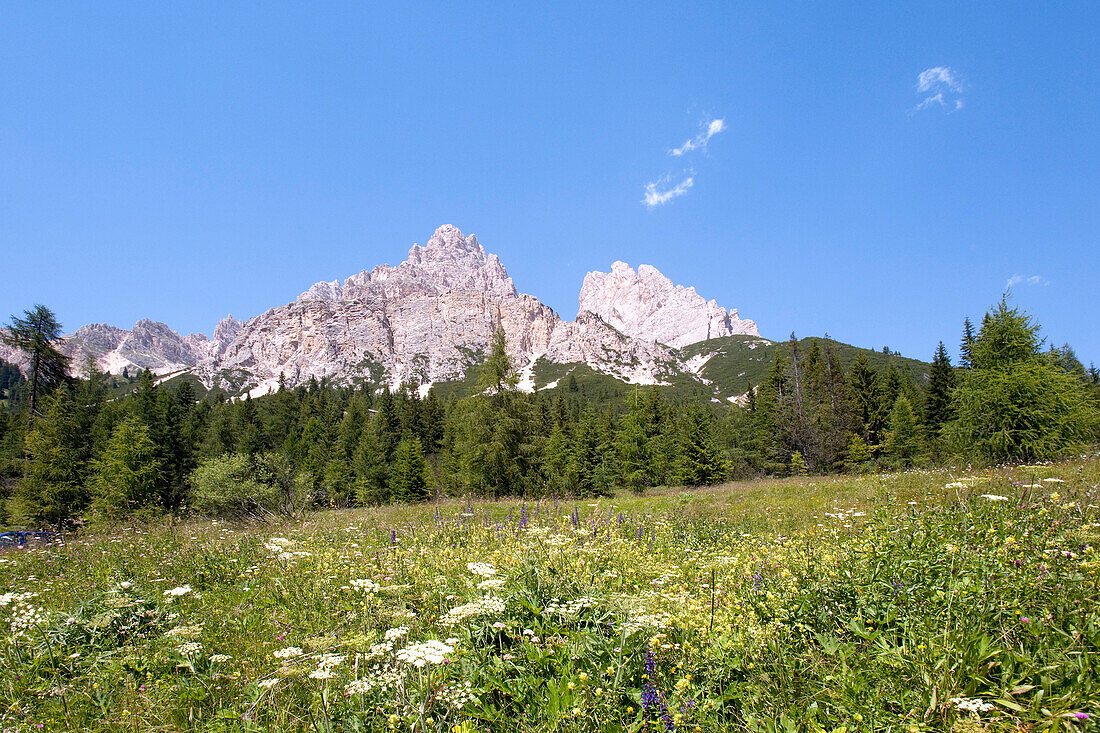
219	658
455	696
383	648
281	547
971	705
491	584
427	652
486	605
325	665
9	598
189	648
25	616
557	540
364	585
380	679
569	608
278	544
287	653
178	591
994	497
186	631
483	569
638	621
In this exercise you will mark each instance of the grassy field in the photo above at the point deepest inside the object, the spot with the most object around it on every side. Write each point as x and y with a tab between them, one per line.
928	600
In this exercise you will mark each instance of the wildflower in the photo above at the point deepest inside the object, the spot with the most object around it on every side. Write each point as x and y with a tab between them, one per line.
287	653
480	568
218	658
364	585
178	591
189	648
428	652
994	497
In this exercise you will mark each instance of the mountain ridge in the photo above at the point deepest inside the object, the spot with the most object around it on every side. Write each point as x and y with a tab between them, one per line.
426	321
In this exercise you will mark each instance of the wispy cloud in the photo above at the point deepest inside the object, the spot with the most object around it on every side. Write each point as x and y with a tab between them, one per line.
942	87
657	193
700	141
1026	280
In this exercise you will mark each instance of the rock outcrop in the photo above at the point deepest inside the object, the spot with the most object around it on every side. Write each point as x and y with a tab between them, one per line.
427	320
646	305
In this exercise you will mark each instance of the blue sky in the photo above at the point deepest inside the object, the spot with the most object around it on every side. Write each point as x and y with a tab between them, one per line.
183	161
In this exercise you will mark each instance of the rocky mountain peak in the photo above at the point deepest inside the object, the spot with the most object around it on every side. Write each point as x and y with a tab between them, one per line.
646	304
227	329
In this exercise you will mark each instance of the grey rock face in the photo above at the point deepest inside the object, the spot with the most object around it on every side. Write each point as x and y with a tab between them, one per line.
427	320
645	304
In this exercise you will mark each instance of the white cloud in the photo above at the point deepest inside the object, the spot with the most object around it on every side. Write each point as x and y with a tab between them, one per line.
700	141
940	86
657	193
1026	280
931	78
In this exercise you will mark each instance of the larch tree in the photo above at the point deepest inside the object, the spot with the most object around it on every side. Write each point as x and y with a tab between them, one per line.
35	334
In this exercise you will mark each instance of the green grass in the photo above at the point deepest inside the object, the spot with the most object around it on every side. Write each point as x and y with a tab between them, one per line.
856	603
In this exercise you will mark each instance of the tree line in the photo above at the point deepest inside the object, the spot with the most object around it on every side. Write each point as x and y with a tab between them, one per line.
67	448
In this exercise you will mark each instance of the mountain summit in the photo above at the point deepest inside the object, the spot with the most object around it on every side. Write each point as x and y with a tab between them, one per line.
645	304
427	320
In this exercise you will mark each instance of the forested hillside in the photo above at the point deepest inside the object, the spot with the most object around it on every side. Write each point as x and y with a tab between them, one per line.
120	445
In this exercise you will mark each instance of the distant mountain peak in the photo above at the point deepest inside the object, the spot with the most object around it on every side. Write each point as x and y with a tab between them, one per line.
646	304
427	320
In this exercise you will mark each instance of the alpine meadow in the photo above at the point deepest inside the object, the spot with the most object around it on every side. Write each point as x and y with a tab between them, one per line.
425	497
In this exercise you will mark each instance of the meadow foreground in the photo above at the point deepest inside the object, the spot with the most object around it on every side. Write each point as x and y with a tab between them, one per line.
913	601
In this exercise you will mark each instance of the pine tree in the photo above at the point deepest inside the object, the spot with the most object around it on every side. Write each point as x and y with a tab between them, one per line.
966	344
701	461
903	438
370	466
862	381
54	490
126	476
1016	403
937	401
632	447
410	480
35	335
858	454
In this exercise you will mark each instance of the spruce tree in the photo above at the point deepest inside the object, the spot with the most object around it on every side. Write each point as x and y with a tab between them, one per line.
410	479
701	460
937	401
54	490
903	436
126	476
862	381
966	344
1015	403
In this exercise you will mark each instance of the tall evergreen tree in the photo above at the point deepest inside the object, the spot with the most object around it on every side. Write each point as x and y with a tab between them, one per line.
35	334
125	478
411	479
54	490
862	381
937	401
966	344
1015	403
903	435
701	460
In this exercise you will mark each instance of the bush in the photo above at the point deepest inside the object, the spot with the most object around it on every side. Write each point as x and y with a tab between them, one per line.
237	486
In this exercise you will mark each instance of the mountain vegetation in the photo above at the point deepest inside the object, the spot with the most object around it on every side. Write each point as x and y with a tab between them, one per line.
820	407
